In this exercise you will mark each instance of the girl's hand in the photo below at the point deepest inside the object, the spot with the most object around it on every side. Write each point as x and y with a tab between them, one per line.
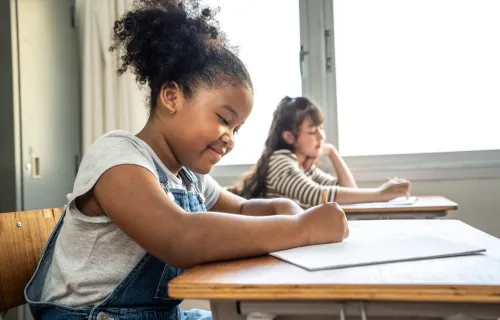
328	149
394	188
325	223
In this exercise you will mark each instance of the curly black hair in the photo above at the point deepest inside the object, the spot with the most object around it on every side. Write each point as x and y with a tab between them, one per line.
172	41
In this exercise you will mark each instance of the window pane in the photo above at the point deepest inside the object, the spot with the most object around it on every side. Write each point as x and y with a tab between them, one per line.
417	76
268	36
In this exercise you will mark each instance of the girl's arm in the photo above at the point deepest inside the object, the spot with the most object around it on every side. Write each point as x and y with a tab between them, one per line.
131	196
231	203
288	179
344	175
393	188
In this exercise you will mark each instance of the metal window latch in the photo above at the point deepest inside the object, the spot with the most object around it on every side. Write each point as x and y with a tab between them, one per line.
328	51
302	55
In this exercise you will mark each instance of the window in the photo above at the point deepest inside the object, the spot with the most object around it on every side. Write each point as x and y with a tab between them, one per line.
268	36
417	76
408	87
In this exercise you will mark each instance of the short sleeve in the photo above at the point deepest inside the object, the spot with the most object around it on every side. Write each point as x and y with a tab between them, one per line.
108	151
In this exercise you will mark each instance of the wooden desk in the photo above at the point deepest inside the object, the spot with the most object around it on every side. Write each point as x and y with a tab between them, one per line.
426	207
469	285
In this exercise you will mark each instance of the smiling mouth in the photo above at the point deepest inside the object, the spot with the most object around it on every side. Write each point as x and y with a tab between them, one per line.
215	154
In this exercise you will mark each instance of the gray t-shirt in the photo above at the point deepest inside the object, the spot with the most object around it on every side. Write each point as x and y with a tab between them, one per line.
92	255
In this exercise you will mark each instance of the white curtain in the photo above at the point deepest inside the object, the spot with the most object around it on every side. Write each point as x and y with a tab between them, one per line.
108	102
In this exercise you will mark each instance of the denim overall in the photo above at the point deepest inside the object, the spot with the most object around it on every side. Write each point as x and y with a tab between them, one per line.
142	295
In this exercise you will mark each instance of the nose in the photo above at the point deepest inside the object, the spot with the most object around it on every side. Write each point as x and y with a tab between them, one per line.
321	134
228	139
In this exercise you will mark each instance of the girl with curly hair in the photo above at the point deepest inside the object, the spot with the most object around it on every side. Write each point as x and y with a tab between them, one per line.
143	207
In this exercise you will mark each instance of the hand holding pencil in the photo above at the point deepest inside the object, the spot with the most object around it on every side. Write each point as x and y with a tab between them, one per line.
323	197
325	223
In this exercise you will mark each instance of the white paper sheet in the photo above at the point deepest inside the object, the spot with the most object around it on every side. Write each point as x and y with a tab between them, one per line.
401	201
365	251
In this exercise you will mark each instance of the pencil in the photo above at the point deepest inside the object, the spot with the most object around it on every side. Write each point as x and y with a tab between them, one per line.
323	196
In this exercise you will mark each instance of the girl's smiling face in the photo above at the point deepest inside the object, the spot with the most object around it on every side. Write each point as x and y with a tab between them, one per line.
202	129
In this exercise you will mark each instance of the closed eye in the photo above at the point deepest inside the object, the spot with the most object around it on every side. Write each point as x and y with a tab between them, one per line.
316	130
223	120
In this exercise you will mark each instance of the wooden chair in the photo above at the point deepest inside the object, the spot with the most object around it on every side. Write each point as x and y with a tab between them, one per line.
22	238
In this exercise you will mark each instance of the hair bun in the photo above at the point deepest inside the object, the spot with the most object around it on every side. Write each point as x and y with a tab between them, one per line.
206	13
164	41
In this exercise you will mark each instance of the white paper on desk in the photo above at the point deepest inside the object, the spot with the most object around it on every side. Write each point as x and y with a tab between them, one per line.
401	201
373	251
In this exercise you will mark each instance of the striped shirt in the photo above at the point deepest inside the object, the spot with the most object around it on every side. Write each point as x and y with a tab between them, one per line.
286	179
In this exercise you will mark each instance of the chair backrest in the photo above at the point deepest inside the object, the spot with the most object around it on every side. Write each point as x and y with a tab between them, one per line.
22	238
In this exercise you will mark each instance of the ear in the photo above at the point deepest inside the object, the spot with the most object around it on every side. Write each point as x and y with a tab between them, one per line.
288	137
169	97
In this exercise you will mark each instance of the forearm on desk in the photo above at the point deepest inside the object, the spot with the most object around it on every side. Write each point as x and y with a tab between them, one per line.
210	236
267	207
357	195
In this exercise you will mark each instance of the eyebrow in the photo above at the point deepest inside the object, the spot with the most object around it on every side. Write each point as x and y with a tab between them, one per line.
231	109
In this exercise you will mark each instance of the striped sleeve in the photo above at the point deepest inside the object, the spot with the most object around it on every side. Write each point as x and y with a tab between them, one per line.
286	179
322	177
